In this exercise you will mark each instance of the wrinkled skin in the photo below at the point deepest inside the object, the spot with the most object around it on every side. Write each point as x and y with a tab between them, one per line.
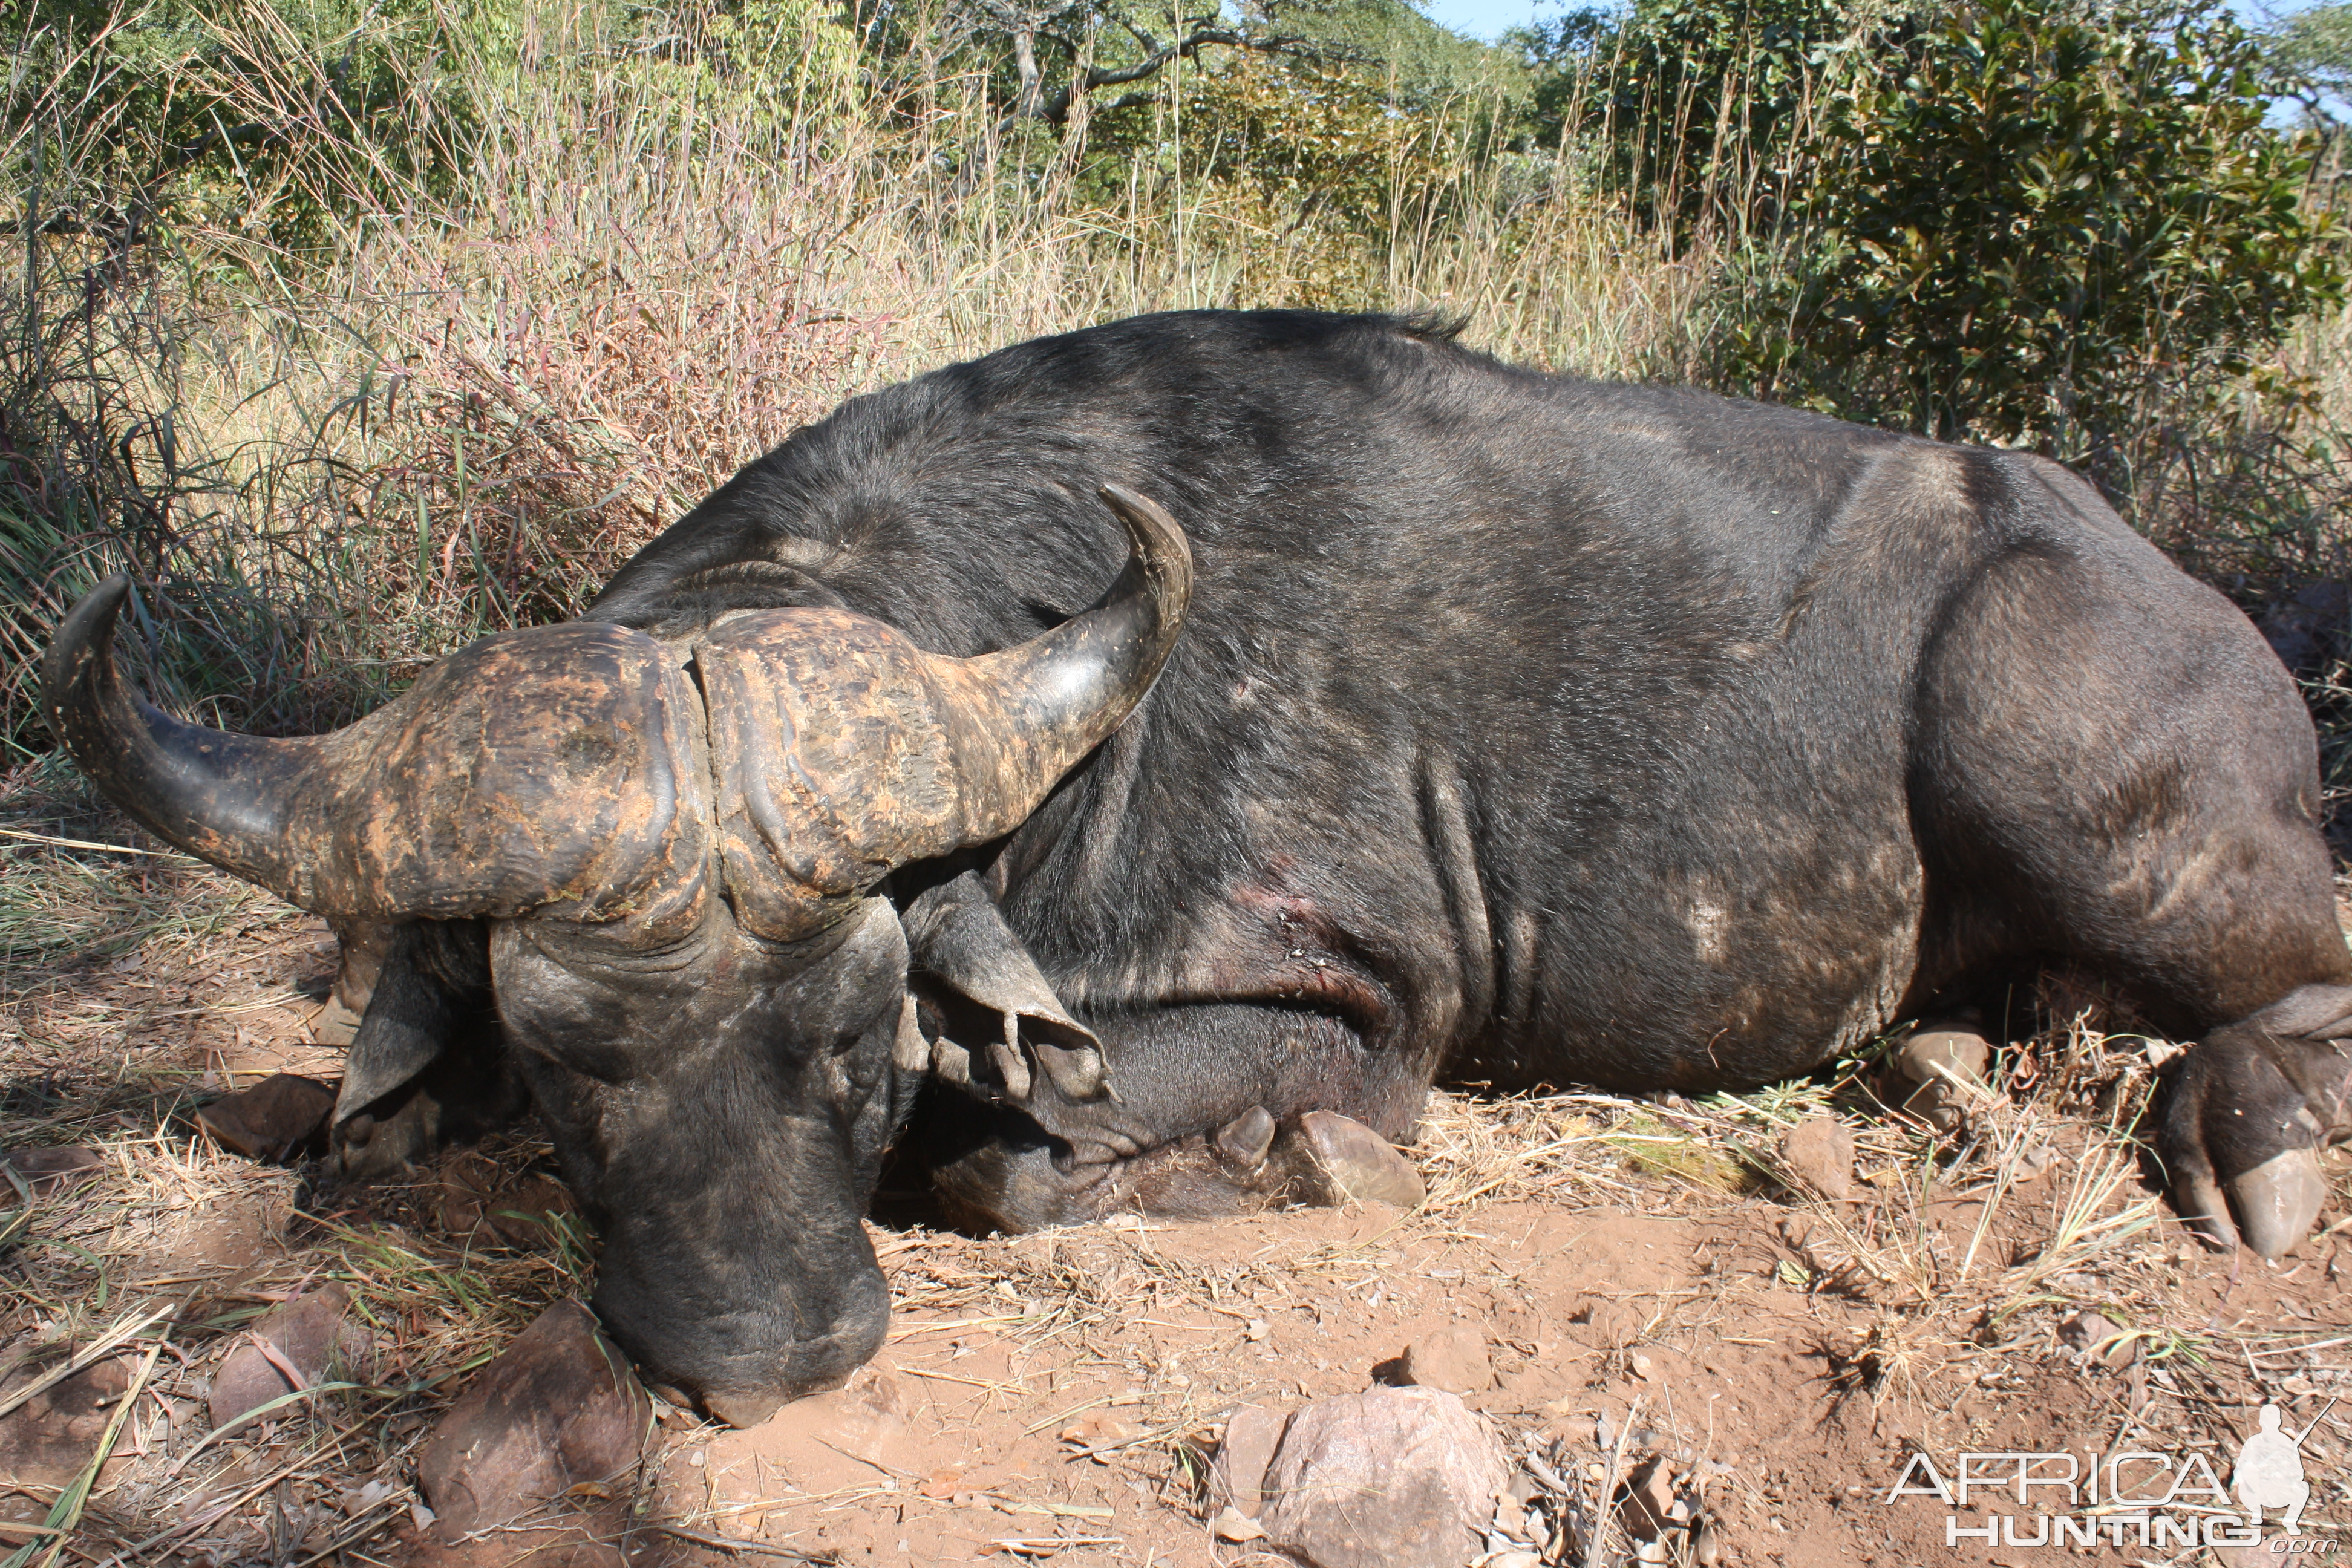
1539	731
1530	729
631	874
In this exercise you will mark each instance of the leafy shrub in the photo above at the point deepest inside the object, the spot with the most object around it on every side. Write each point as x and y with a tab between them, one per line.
1696	105
2024	220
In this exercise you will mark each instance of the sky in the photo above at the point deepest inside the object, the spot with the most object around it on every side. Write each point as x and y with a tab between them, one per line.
1488	19
1483	19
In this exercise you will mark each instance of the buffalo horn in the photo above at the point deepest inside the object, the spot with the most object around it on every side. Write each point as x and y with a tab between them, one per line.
1056	697
842	750
532	769
219	796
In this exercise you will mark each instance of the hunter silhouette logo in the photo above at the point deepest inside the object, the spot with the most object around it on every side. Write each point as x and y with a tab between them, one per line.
2270	1471
2078	1499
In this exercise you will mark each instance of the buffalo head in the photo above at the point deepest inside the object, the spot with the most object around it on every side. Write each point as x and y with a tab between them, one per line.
674	847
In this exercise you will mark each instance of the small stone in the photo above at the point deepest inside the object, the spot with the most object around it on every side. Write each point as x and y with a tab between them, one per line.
277	1118
1237	1473
2084	1329
306	1333
1453	1358
1648	1509
47	1170
2035	1162
360	1499
1514	1560
1940	1051
558	1406
47	1441
1231	1524
1819	1151
1094	1432
1390	1477
867	1420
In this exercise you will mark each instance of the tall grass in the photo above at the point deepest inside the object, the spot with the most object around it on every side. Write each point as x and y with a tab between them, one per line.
467	400
509	345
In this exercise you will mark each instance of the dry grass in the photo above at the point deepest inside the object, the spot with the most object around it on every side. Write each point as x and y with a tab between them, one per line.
469	402
1971	1271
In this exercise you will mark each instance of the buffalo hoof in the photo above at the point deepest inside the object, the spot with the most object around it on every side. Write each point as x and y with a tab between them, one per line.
1342	1160
2247	1111
1012	1180
2278	1200
1251	1164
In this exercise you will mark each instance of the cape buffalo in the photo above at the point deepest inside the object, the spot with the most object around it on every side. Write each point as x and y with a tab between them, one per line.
1525	727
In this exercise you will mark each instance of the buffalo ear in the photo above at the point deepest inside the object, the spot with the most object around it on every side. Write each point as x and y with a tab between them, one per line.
1001	1028
427	1064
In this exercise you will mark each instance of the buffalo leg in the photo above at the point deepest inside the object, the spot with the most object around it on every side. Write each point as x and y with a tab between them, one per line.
2247	1113
2116	769
1222	1110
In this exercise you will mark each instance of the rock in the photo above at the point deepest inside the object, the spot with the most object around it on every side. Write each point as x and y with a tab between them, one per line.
2085	1334
559	1407
1939	1051
2035	1161
47	1170
475	1203
1648	1510
1238	1472
279	1116
1092	1434
1819	1151
1390	1477
1453	1358
49	1441
869	1421
307	1332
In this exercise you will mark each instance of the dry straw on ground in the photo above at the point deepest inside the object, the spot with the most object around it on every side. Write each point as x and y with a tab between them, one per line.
184	982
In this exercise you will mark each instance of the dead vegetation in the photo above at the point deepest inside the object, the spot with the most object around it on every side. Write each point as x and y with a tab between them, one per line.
1653	1284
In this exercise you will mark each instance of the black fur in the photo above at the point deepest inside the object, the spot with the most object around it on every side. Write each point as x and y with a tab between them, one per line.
1539	730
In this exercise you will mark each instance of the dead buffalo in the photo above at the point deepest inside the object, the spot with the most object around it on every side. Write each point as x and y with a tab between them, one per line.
1522	727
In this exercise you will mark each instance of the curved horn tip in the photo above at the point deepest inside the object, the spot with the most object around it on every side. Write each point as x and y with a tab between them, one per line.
1149	529
90	624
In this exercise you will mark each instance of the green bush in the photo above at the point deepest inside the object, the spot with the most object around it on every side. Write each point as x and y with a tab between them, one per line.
2024	220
